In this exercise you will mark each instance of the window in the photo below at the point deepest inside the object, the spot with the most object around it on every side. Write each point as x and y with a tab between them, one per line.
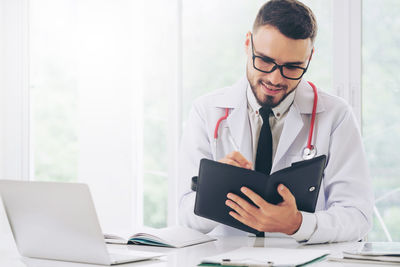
54	89
101	91
105	115
381	107
96	91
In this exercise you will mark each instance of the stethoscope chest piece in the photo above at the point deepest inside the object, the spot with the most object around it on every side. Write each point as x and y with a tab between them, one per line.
309	153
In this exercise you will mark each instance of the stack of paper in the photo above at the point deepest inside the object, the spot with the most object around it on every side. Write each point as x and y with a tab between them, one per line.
256	256
388	252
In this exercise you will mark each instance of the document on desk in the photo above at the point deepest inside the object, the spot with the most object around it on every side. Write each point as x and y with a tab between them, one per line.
175	237
387	252
256	256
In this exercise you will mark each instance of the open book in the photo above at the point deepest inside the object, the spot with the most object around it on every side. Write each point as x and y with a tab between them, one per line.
175	237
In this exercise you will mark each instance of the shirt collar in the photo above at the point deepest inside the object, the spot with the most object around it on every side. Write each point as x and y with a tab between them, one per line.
251	99
278	111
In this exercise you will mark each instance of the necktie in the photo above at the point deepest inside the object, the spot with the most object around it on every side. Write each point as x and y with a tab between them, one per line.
264	148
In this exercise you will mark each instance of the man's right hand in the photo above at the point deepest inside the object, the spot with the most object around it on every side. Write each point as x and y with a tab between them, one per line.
236	159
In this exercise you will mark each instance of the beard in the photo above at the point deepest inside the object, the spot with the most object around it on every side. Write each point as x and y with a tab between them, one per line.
267	101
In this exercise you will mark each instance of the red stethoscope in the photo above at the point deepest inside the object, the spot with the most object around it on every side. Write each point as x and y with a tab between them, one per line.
309	151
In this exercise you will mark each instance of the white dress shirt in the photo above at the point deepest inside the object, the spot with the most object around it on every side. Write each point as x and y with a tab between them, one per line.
276	119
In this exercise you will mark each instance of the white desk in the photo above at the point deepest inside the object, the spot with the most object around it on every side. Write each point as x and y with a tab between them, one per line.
185	257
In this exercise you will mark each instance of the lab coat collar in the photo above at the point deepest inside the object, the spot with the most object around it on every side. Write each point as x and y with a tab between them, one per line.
304	98
235	97
232	97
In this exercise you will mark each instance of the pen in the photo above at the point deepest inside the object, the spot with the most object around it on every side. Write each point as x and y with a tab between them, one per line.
244	263
235	147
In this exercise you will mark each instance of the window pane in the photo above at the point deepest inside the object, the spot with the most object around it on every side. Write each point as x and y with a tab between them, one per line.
53	86
320	72
381	109
84	79
101	72
159	93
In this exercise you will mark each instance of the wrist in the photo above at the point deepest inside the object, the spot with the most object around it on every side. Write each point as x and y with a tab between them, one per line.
296	223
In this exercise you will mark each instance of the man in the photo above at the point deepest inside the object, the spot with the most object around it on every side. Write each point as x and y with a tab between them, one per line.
269	119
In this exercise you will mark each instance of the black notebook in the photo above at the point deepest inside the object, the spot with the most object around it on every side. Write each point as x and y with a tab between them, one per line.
217	179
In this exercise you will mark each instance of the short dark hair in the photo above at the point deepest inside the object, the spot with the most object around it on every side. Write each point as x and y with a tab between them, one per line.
292	18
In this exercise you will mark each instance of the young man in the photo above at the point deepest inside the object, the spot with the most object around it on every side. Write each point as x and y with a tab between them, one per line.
269	119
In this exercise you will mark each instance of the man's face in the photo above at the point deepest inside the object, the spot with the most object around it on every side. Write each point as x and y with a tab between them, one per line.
271	88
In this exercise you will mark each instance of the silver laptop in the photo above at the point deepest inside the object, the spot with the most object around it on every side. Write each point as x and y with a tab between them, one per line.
58	221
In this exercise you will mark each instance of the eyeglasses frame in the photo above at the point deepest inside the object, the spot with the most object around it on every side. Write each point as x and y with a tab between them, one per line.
277	66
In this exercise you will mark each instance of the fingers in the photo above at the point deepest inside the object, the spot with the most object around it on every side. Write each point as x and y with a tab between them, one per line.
236	159
267	217
246	221
259	201
286	194
242	214
243	203
237	208
230	162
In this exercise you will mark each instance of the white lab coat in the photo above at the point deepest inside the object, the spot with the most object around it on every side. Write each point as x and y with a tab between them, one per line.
345	202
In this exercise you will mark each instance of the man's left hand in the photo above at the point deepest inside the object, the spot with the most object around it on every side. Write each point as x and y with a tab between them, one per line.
266	217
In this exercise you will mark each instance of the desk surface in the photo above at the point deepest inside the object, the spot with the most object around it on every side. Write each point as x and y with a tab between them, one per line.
185	257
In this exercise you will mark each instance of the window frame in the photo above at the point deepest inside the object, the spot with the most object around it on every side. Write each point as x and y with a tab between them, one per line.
15	116
347	41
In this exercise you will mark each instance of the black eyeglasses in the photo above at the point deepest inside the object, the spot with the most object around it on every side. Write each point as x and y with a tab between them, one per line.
268	65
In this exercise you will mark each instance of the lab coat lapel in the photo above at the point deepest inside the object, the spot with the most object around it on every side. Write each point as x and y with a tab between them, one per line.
302	104
238	122
291	129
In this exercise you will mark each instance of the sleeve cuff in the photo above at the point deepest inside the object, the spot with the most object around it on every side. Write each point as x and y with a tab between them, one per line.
307	227
189	219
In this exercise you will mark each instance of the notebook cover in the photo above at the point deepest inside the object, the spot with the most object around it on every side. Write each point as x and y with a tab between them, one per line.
216	180
303	179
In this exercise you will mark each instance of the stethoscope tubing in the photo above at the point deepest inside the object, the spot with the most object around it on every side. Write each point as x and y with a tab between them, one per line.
313	115
219	122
